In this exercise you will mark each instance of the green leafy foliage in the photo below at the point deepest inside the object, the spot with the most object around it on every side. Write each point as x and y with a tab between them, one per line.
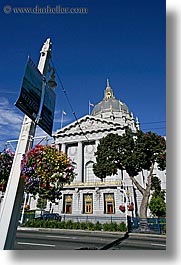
152	148
98	226
157	203
107	156
41	203
77	225
130	151
156	184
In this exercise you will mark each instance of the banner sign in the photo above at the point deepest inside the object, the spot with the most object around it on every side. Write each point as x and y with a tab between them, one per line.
47	112
31	91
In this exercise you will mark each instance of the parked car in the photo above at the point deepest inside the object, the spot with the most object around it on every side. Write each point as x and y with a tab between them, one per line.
49	216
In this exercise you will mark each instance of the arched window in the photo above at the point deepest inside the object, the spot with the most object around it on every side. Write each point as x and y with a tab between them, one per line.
89	173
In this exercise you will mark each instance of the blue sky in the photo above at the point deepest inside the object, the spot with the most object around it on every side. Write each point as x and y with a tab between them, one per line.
120	40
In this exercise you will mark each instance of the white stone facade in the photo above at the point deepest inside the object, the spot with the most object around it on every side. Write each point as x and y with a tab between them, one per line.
87	194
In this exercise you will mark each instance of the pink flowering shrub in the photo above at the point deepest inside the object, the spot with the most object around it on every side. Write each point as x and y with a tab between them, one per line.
6	161
45	170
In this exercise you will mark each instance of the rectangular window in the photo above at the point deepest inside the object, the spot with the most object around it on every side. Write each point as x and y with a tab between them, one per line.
88	203
109	203
68	203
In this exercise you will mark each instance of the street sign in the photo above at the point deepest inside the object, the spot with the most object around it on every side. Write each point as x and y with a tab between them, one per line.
47	112
31	91
30	98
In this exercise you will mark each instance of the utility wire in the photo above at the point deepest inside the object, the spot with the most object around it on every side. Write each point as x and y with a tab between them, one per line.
67	98
8	92
150	122
154	128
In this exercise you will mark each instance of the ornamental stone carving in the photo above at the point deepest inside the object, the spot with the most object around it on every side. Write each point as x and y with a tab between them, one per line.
89	149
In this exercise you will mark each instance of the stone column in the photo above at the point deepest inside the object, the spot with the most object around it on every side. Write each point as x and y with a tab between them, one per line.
63	148
96	144
79	162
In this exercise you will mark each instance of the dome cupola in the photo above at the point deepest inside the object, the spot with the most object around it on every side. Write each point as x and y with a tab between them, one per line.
109	104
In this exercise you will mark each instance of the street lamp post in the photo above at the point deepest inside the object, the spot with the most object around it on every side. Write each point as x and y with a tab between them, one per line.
126	206
10	209
125	201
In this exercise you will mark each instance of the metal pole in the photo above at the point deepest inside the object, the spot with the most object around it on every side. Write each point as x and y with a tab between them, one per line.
126	210
23	210
89	107
10	210
126	203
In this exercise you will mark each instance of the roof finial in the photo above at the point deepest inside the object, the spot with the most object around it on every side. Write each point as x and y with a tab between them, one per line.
108	93
137	124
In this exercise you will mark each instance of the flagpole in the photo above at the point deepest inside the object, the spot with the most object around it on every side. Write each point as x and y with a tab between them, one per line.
90	104
89	107
61	124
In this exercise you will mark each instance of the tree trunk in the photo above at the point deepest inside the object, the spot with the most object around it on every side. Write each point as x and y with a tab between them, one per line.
146	195
138	186
144	192
144	203
143	227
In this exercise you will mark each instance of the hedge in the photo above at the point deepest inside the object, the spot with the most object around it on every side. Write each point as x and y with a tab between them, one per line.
113	227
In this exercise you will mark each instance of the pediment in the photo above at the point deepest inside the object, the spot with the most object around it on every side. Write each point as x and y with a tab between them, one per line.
86	125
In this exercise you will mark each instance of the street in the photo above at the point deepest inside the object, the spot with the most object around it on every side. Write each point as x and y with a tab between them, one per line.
52	239
137	242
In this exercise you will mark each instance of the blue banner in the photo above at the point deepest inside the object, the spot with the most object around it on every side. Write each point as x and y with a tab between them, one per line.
31	91
47	112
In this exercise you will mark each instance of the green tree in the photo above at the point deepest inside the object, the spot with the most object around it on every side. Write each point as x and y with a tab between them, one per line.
41	204
132	152
157	203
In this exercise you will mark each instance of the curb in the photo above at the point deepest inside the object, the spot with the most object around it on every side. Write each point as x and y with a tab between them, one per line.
39	229
147	235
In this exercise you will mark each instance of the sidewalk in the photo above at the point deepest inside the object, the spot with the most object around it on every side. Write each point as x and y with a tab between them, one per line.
41	229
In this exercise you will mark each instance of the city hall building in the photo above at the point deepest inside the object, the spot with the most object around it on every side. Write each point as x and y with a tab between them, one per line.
87	195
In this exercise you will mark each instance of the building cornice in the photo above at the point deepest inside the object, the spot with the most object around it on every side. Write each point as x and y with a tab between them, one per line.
89	125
